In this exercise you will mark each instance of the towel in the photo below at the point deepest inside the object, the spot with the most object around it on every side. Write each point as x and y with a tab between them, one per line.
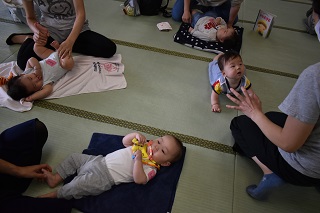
89	74
157	196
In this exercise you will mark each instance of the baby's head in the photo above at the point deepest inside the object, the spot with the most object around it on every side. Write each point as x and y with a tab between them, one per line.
23	85
166	150
227	35
231	65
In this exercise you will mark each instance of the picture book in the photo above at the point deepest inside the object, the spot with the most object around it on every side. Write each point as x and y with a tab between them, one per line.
264	23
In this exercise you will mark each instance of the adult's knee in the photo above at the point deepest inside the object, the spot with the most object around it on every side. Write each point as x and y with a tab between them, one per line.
177	10
235	122
41	132
176	16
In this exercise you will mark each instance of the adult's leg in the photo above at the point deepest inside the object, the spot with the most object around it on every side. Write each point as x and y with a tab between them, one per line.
178	9
27	204
250	141
21	145
195	17
94	44
26	52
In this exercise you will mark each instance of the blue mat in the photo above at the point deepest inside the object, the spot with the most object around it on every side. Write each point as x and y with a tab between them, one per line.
157	196
184	37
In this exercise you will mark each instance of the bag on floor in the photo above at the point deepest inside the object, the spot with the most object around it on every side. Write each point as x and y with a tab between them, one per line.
131	8
153	7
309	22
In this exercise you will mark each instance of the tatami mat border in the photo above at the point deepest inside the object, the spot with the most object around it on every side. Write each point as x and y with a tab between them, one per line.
184	55
195	57
276	26
134	126
299	2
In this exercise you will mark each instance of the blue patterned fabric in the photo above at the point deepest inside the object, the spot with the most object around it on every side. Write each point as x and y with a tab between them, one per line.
184	37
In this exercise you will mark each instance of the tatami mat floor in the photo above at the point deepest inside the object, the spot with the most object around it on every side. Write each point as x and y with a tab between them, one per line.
168	91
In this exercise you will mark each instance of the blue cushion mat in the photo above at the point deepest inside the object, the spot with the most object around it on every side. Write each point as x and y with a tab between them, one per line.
156	196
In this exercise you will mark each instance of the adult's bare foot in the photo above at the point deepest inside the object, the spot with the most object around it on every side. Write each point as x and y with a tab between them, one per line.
18	38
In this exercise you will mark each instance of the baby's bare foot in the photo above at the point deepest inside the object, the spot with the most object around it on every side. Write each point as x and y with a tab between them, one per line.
41	28
52	179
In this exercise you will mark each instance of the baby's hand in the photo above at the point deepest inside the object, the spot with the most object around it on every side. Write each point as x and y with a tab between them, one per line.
215	108
137	155
190	29
217	20
218	56
141	138
28	99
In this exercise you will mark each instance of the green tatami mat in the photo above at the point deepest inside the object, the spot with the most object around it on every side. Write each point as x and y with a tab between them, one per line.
168	92
289	13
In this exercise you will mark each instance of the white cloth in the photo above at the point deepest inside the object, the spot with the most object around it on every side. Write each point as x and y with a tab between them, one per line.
89	74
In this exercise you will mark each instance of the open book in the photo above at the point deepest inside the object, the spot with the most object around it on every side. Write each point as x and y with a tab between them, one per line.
264	22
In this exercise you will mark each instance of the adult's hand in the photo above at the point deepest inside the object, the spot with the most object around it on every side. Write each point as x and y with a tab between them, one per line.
186	17
41	34
248	104
65	49
33	171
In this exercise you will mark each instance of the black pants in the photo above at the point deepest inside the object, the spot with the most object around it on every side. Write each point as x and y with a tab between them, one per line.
250	141
22	145
87	43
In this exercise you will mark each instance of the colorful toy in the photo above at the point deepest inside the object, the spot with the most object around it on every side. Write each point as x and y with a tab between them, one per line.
4	80
144	148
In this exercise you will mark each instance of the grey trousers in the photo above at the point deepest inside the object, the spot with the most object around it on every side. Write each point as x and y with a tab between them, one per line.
92	178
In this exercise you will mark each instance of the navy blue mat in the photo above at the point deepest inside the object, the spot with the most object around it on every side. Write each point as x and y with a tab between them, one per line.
157	196
184	37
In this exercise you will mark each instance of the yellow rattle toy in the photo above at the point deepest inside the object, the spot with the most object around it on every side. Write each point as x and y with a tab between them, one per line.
146	158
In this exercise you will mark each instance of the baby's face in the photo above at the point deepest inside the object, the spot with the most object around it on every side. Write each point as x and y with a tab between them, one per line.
234	69
164	149
32	82
223	33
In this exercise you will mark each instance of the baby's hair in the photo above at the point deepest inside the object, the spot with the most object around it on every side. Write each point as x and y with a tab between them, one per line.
180	149
231	40
226	57
16	90
316	6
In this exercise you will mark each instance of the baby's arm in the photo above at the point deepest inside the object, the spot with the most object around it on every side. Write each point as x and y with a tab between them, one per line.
44	92
139	176
127	140
34	63
42	51
215	105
